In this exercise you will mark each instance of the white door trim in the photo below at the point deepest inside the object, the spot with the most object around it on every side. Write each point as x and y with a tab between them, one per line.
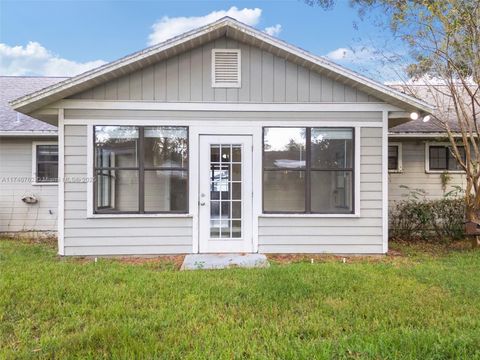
194	136
207	244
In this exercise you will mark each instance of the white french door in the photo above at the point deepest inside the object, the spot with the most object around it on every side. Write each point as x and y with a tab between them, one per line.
225	194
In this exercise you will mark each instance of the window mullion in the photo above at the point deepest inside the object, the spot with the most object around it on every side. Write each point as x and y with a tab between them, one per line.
141	170
308	189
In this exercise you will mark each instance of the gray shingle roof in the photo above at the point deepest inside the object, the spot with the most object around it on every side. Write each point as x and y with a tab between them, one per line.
434	95
12	87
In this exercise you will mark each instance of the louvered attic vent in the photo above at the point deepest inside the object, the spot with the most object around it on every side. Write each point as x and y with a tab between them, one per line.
226	68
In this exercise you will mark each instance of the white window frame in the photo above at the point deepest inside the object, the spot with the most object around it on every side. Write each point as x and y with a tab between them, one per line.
34	162
427	159
237	84
399	168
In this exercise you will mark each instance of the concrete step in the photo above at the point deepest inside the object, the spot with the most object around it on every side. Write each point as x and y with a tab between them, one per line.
224	261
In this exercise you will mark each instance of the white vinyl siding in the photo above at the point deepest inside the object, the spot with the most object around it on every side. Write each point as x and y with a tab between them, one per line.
15	215
414	176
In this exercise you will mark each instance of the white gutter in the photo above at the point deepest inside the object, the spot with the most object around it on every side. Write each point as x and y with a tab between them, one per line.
29	133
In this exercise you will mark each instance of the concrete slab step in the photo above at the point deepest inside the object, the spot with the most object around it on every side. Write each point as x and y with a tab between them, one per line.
224	261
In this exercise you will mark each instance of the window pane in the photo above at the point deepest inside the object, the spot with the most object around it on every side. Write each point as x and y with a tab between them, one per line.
47	172
452	162
284	148
47	153
331	191
284	191
166	146
393	157
116	145
117	190
437	158
166	190
332	148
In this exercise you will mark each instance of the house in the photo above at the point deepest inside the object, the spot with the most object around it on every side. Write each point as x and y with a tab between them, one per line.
223	139
419	153
27	148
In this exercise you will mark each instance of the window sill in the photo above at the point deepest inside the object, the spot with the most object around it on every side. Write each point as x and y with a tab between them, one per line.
309	215
115	216
44	184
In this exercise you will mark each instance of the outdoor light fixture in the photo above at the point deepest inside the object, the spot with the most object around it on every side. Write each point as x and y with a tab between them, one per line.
426	118
414	116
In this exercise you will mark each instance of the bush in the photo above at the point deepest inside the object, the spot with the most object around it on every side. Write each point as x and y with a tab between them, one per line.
417	218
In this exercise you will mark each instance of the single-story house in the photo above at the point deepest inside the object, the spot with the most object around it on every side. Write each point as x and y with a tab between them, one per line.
223	139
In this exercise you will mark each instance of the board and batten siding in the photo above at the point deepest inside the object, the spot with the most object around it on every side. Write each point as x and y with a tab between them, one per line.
116	236
414	176
15	182
111	236
335	235
265	78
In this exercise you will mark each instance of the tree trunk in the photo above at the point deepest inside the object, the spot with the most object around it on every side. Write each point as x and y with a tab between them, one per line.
476	242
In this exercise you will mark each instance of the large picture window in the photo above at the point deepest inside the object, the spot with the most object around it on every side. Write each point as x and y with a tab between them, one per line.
141	169
308	170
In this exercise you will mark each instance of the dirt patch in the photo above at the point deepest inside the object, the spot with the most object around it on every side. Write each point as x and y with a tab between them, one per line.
175	260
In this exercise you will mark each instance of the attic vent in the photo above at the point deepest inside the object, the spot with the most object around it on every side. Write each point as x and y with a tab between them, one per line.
226	68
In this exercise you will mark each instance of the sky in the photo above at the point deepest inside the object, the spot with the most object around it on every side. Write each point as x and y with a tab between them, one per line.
67	37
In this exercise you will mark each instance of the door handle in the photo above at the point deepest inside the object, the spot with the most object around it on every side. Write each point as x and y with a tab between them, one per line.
202	204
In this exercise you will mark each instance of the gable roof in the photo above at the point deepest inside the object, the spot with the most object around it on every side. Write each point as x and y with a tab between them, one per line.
11	87
223	27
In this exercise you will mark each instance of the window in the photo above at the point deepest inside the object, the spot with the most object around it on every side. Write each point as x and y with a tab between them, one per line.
45	163
226	69
308	170
441	158
395	157
141	169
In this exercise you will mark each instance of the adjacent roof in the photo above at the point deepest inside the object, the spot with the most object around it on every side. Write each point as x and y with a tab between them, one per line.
11	87
433	94
223	27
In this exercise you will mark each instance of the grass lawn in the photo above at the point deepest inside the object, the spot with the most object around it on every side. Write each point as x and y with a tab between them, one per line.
421	305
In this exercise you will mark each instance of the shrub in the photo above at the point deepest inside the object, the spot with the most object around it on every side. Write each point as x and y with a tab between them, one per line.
417	218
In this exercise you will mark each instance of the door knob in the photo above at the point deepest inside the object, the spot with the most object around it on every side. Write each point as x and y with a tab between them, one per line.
202	204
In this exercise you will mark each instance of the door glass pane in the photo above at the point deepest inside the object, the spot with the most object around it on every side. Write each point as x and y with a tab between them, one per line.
225	191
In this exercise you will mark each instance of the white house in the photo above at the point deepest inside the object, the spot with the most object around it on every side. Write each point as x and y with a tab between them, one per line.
223	139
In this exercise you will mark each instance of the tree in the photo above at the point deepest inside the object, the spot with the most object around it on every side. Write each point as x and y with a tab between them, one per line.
443	39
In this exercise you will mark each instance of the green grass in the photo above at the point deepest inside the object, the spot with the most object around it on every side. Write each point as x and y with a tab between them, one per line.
413	307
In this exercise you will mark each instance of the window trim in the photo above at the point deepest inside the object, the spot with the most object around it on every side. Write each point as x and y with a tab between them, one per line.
399	168
34	162
308	170
139	151
427	159
237	84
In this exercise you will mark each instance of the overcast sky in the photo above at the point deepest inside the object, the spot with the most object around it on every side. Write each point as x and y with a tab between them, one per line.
66	37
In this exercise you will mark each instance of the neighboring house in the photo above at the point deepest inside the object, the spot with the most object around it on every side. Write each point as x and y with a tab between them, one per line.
223	139
419	152
28	162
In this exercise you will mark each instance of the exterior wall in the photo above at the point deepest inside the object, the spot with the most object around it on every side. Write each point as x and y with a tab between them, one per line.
175	234
338	235
15	215
414	175
266	78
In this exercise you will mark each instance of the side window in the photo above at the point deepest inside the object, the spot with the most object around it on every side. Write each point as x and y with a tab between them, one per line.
46	163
